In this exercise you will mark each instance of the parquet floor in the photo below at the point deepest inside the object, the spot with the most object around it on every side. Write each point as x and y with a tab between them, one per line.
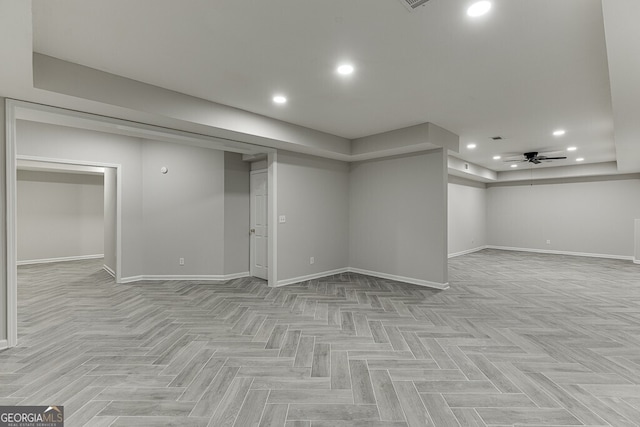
518	339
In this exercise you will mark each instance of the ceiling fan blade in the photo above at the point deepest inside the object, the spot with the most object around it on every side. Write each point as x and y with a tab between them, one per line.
535	161
518	160
546	153
553	158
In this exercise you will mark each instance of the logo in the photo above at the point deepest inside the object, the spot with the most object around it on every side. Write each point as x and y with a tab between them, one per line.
31	416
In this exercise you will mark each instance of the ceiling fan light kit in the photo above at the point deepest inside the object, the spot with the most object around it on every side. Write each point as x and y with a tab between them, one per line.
535	158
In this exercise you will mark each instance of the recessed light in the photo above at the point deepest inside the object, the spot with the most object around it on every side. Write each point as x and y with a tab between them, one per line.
479	8
580	159
496	157
345	69
280	99
572	148
471	146
514	166
559	132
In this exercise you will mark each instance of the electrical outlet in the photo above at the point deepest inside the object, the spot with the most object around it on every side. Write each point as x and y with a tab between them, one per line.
181	260
548	242
282	219
312	260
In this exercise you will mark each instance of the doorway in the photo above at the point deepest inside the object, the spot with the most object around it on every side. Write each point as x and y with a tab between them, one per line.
61	214
259	227
21	110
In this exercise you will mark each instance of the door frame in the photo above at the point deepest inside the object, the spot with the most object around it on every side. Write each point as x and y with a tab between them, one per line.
12	233
272	212
118	169
15	110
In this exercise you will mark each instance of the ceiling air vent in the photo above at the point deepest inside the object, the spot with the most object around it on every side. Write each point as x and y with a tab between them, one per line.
413	4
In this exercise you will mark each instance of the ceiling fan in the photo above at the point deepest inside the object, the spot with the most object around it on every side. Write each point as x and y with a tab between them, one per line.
535	158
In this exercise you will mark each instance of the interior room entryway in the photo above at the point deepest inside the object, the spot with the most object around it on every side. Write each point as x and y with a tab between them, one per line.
60	211
259	236
27	146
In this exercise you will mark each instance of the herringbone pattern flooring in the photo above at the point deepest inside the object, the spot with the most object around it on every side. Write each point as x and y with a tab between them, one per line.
519	339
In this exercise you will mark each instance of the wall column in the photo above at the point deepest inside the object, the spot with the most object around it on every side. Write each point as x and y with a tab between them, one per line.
3	228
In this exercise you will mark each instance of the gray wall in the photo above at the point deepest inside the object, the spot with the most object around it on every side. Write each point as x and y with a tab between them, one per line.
398	218
3	222
637	248
313	194
183	210
236	214
59	215
164	217
110	220
57	142
467	212
587	216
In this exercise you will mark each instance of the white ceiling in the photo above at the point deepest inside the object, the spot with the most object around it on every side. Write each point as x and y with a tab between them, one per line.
520	72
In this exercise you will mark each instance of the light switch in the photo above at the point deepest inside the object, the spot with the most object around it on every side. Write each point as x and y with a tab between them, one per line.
282	219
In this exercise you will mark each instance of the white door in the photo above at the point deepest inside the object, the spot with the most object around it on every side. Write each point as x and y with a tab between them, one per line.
259	238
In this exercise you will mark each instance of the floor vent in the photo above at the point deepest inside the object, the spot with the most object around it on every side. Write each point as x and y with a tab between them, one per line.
413	4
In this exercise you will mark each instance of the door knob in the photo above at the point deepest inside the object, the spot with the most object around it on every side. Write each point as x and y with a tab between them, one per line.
253	230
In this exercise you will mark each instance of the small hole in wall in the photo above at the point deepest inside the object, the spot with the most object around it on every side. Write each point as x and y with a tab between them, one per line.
164	170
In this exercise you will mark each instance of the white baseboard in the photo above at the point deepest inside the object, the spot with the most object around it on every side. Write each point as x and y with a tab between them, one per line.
546	251
403	279
217	278
419	282
468	251
236	275
130	279
294	280
636	261
300	279
61	259
4	344
109	270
